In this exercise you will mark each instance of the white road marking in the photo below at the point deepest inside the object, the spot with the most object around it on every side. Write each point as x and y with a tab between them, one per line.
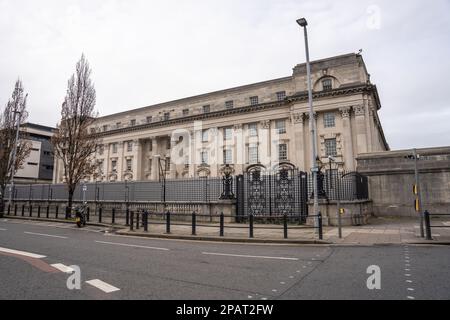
1	229
282	282
247	256
410	289
132	245
407	269
62	268
250	297
407	275
274	290
291	277
22	253
409	281
44	235
105	287
410	298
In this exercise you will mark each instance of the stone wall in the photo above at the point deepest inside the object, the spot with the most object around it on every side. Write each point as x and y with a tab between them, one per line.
391	179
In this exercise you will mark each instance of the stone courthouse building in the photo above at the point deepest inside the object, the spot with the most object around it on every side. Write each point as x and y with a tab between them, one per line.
266	122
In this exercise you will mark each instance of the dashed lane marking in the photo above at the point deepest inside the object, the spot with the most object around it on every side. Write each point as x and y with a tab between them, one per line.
132	245
105	287
247	256
62	268
45	235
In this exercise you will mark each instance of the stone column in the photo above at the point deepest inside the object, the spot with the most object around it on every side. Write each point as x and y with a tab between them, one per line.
155	161
298	144
108	161
173	167
192	150
238	149
349	158
137	161
369	122
361	130
265	142
120	160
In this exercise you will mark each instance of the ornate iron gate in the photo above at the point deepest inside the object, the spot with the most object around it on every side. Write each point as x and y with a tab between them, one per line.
276	192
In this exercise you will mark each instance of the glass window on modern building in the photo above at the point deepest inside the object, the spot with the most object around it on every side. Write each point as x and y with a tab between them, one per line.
227	156
282	152
207	109
329	120
327	85
129	165
228	134
229	104
253	156
254	101
253	129
281	95
330	148
280	126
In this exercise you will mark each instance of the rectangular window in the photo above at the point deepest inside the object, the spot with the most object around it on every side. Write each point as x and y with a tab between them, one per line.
206	109
133	122
129	165
114	165
228	134
166	116
185	112
280	126
253	129
105	128
227	156
281	95
168	144
282	152
205	136
254	101
92	130
253	154
329	120
229	104
130	146
118	125
100	167
330	147
327	85
149	119
32	163
204	157
114	148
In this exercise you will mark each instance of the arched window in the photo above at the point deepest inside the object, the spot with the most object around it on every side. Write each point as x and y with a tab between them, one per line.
327	84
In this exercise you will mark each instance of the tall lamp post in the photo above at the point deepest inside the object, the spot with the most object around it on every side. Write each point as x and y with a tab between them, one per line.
417	190
13	164
312	125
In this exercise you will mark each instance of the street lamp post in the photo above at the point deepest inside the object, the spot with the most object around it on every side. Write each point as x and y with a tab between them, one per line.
339	218
312	125
227	182
417	191
13	164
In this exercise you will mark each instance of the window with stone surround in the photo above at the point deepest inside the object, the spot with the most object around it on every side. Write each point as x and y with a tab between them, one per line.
133	122
185	112
105	128
253	156
129	164
129	146
327	85
100	166
330	148
281	95
228	134
254	100
149	119
114	148
204	157
329	120
229	104
253	129
280	126
207	109
227	156
167	116
282	152
114	165
205	137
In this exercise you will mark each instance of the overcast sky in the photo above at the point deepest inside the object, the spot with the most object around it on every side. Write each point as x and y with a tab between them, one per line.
146	52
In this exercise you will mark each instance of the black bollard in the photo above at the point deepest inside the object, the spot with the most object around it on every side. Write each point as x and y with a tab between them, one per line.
168	222
47	215
251	225
56	212
31	210
15	210
131	220
127	217
137	220
113	219
145	220
319	217
285	226
222	223
23	210
39	211
194	224
100	211
428	225
88	214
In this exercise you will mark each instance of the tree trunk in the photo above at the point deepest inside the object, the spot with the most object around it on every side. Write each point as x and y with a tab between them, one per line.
69	205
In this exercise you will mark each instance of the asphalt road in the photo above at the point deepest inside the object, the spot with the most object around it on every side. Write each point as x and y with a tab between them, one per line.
116	267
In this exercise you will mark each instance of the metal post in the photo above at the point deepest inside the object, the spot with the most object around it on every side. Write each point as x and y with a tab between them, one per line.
319	218
48	212
312	124
127	216
251	225
285	226
56	214
137	220
15	209
222	224
428	225
39	211
100	210
23	210
31	210
145	220
88	214
131	220
168	222
194	224
113	219
339	220
9	209
419	195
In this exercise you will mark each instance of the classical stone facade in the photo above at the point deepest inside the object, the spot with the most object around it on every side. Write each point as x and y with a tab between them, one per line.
266	122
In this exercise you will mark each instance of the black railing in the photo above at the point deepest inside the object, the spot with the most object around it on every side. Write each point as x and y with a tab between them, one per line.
428	223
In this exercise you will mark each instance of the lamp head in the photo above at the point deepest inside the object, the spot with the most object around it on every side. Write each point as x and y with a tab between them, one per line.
332	159
302	22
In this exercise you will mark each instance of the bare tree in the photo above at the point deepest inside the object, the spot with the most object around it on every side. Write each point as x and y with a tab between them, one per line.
12	117
75	142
